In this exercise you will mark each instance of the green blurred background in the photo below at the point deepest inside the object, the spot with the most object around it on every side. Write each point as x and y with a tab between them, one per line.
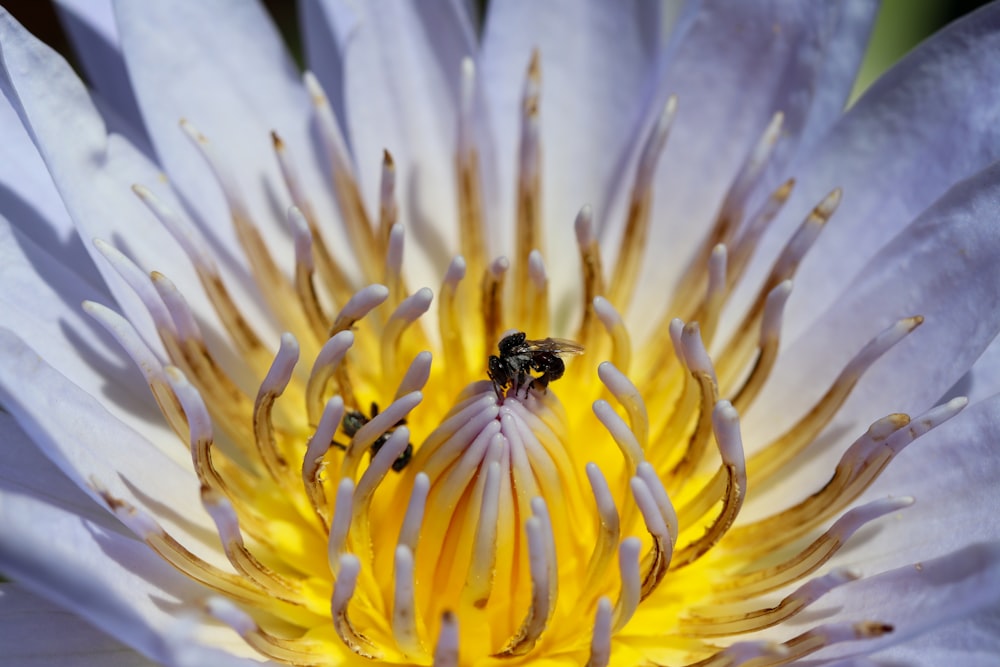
901	25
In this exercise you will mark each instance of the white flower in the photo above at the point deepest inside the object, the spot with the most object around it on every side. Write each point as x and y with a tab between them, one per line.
680	496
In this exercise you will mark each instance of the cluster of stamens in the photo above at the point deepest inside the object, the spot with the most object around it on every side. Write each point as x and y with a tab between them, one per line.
473	518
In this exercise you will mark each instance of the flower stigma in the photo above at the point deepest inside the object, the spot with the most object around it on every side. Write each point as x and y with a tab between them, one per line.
391	493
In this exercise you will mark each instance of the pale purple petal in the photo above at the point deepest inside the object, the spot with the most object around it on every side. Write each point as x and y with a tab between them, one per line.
38	633
78	565
920	129
94	172
90	25
942	267
93	448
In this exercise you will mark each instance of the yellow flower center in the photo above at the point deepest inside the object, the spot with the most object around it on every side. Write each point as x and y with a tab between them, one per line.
387	494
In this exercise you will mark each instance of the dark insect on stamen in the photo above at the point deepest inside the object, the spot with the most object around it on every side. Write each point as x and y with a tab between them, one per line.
355	419
519	357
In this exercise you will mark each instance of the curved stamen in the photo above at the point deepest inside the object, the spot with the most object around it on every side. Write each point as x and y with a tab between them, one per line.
313	461
600	642
631	590
270	389
343	591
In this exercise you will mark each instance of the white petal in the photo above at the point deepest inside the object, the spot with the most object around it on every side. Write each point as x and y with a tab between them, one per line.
117	584
25	470
29	199
90	446
36	632
90	25
736	65
401	66
920	129
92	171
595	57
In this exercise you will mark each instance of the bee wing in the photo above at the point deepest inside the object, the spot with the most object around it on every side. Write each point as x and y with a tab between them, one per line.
559	346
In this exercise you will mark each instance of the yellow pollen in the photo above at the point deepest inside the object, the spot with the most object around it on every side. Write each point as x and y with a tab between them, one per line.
383	492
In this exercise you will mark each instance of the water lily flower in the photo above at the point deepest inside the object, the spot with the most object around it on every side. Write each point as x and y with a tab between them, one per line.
571	341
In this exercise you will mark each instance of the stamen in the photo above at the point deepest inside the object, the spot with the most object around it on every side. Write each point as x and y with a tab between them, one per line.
812	557
746	243
542	569
146	528
364	493
600	643
196	248
729	219
621	345
276	648
404	612
776	455
341	525
716	294
725	422
408	312
409	533
267	276
343	591
636	232
304	269
537	297
609	529
345	187
452	340
470	211
631	590
479	580
628	395
826	635
327	363
416	375
593	273
446	650
622	434
180	313
648	474
657	560
739	350
360	304
139	282
313	462
126	335
388	210
395	237
492	301
335	280
376	427
703	623
528	236
270	389
770	331
745	653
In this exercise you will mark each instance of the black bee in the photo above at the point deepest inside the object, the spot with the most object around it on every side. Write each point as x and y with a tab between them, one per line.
355	419
520	356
